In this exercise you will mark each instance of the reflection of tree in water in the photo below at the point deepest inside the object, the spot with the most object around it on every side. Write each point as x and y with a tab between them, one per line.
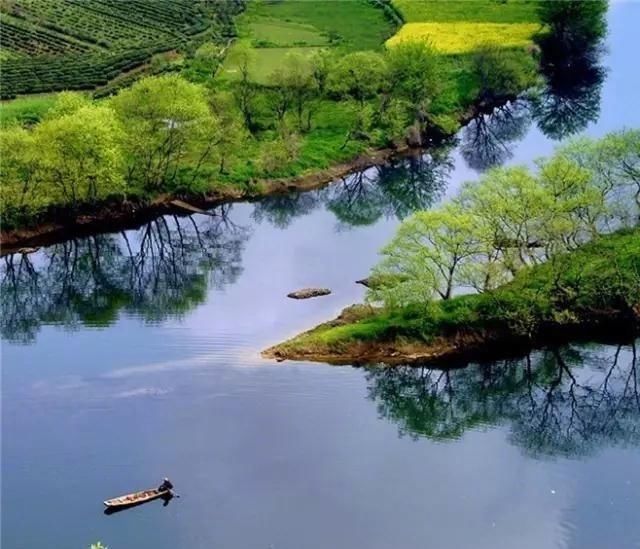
488	139
395	190
160	270
573	76
281	210
570	99
564	402
362	198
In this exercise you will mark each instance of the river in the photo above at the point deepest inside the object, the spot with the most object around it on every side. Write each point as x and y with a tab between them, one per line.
134	356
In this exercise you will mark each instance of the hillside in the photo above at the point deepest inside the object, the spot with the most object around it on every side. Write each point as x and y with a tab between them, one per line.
50	45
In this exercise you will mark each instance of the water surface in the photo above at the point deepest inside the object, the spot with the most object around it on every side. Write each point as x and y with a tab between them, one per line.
129	357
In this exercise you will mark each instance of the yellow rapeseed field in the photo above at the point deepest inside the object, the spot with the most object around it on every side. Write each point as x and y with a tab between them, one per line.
463	37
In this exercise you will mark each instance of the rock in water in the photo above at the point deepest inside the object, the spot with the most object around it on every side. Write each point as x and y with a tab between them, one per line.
306	293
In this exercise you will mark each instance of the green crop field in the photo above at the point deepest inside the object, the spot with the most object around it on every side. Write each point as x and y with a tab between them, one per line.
49	45
481	11
272	29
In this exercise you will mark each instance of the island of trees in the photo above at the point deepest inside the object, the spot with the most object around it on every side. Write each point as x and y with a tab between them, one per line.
517	258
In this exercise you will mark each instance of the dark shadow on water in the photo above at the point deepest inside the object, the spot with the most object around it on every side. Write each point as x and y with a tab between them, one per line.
394	190
487	140
566	401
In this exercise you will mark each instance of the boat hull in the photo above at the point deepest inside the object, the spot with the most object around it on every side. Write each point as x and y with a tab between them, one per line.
136	498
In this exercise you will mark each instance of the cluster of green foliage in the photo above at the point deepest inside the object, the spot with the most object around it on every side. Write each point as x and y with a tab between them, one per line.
582	286
166	134
513	218
49	45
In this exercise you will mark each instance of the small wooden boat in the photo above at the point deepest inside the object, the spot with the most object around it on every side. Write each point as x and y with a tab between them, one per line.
136	498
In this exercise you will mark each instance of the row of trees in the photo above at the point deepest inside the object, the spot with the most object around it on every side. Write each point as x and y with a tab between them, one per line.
404	86
156	135
511	218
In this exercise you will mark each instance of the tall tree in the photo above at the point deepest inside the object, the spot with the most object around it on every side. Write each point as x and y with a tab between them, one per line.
167	120
415	76
360	75
80	155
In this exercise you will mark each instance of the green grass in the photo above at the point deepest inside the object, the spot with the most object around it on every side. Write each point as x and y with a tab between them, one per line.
263	62
25	110
600	278
358	24
272	29
284	34
481	11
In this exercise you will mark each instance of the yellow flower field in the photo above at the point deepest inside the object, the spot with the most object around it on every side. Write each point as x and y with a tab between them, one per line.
455	37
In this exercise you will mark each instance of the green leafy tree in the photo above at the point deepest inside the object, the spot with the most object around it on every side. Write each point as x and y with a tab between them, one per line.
501	73
245	90
415	76
168	122
360	75
424	258
21	195
575	24
68	102
614	164
321	64
80	156
230	132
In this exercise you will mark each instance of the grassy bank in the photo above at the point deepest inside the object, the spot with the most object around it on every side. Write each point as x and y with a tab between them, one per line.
595	286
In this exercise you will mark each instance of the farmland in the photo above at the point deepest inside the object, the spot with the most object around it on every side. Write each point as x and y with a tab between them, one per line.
272	30
459	27
50	45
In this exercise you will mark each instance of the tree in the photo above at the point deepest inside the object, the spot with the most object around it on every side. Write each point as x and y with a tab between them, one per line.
501	73
359	75
574	25
321	66
230	132
424	258
509	204
68	102
415	76
20	194
487	140
80	156
570	55
245	91
294	88
168	121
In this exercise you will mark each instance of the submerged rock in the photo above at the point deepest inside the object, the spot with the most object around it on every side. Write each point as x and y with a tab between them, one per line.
306	293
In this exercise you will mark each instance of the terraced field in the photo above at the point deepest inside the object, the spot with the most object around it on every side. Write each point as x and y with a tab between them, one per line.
49	45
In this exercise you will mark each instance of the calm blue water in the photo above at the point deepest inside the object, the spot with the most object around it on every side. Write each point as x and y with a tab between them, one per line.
128	359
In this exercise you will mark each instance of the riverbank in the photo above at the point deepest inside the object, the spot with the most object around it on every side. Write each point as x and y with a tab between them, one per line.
60	224
63	224
591	292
